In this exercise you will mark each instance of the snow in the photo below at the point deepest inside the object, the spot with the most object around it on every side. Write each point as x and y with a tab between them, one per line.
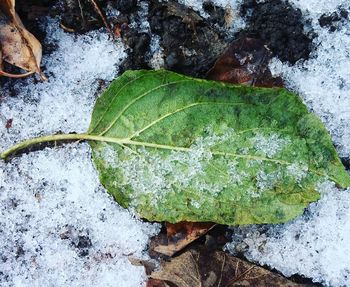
316	244
58	226
232	18
269	145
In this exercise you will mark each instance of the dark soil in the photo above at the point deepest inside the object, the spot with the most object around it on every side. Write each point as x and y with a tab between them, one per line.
333	21
190	43
280	26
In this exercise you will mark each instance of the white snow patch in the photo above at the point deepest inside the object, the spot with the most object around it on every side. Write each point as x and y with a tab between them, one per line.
317	7
233	19
316	244
58	226
64	103
269	145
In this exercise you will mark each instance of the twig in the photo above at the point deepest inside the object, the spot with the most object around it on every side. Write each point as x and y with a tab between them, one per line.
16	76
81	13
104	20
67	29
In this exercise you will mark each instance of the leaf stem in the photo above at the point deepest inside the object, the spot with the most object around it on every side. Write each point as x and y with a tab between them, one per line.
51	138
126	141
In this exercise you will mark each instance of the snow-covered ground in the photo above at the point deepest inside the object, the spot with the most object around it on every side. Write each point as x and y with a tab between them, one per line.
59	227
317	244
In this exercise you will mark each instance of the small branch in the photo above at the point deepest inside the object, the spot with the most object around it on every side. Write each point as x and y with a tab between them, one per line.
81	13
104	20
67	29
16	76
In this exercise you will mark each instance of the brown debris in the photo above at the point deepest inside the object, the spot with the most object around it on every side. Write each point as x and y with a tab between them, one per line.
202	268
245	62
179	236
18	46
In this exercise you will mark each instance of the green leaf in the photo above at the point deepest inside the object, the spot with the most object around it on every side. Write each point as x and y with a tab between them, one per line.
174	148
197	150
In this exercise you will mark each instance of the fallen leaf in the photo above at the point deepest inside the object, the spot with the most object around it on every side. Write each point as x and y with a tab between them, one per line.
174	148
8	7
198	268
155	283
149	265
182	234
18	46
245	62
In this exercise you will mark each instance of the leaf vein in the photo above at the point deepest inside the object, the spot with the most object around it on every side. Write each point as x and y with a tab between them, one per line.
134	101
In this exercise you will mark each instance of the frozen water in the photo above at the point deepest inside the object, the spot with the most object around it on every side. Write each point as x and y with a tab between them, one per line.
63	103
233	20
315	245
58	226
317	7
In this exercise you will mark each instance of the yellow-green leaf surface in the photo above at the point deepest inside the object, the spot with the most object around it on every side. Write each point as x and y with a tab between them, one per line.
178	148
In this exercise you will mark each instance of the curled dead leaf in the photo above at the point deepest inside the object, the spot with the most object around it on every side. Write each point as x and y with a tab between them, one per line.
245	62
18	46
199	268
181	234
8	7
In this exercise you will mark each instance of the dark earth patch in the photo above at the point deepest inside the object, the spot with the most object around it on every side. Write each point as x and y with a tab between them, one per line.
333	21
190	42
280	26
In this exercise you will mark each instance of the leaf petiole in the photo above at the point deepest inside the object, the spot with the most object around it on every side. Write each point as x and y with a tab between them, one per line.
50	138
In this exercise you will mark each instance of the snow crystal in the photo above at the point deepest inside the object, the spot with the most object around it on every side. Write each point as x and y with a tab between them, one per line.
316	244
266	181
64	103
58	226
233	20
323	81
157	59
298	171
317	7
269	145
149	172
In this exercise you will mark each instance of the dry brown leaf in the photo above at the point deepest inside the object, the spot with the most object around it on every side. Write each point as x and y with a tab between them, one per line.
155	283
8	7
182	234
245	62
202	269
19	47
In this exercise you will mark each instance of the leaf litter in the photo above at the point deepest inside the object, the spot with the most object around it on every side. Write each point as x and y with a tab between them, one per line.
316	6
52	204
18	46
202	268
